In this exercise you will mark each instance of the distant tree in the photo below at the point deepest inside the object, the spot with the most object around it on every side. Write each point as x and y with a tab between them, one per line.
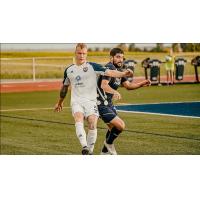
153	50
197	47
106	49
175	47
97	49
89	49
122	46
159	48
184	46
190	47
137	49
145	49
131	47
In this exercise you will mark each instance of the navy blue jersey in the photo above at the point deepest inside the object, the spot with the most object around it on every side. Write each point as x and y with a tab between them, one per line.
114	83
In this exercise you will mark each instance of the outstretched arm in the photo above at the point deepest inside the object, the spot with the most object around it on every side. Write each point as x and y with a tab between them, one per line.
63	93
132	86
117	74
105	86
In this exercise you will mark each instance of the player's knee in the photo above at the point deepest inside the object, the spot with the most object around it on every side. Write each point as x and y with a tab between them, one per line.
91	126
121	126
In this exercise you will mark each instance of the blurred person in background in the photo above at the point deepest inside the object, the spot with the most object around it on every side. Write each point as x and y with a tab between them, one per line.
196	63
145	65
169	66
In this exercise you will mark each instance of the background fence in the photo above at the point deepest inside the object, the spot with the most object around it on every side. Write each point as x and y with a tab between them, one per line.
34	68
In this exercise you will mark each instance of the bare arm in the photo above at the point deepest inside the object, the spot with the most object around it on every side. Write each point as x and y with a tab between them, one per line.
132	86
117	74
63	93
105	86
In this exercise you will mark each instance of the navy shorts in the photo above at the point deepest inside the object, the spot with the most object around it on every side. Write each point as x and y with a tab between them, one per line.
107	113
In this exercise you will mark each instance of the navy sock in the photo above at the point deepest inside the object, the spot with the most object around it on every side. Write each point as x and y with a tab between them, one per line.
107	134
114	133
104	149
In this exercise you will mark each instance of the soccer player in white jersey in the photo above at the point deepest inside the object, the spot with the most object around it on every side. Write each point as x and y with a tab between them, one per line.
82	77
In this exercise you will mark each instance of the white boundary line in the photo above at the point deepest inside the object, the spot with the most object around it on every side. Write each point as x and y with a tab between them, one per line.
30	109
124	104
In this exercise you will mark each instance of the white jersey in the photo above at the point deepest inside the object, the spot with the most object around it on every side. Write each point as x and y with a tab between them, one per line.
83	81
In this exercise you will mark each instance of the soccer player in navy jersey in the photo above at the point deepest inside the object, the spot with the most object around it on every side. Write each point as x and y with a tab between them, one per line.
107	91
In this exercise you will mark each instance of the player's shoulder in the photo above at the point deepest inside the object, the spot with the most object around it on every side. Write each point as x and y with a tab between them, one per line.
96	66
110	66
93	64
69	68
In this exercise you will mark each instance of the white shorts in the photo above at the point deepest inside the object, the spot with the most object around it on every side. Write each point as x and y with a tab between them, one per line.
87	108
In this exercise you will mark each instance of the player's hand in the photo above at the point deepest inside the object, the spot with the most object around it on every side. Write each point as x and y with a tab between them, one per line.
117	96
129	73
146	83
58	107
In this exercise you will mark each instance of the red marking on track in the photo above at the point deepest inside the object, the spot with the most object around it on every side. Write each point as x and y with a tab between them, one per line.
29	87
56	85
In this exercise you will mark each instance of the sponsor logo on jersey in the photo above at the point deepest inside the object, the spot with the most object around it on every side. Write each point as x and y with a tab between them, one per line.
79	83
78	78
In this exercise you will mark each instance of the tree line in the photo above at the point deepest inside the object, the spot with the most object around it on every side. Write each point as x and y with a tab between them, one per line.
159	47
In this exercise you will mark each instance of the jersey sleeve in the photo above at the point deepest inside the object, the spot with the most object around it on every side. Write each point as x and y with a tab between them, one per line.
124	79
108	67
66	80
99	69
106	78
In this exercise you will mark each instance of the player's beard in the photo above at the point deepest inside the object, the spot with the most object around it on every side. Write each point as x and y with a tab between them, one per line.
118	65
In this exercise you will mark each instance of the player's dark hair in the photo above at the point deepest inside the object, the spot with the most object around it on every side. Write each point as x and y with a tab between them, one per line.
115	51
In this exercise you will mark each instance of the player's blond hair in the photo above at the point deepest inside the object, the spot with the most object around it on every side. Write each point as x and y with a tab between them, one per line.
81	46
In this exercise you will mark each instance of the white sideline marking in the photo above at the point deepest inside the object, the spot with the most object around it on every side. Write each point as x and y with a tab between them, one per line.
150	113
29	109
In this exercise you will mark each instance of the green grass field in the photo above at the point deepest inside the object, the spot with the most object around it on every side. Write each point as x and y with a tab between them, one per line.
42	131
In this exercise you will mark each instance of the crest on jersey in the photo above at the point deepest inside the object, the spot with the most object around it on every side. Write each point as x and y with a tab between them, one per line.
85	69
118	81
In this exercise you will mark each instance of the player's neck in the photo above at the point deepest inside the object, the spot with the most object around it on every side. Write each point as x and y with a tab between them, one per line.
80	63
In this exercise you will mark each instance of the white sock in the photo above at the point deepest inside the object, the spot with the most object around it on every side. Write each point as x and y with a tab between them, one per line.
91	139
80	132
